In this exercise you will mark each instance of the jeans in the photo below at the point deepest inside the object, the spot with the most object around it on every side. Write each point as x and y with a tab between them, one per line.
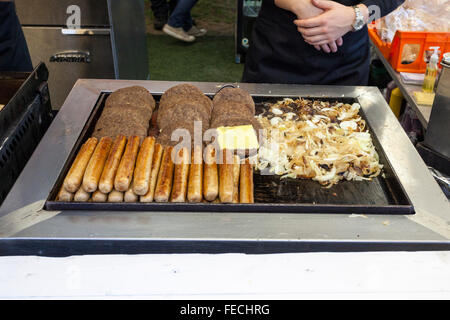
181	15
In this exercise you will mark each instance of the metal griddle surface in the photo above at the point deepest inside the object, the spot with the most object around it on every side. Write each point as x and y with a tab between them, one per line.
381	195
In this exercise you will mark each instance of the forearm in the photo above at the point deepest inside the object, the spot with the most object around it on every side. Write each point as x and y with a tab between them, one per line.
301	8
289	5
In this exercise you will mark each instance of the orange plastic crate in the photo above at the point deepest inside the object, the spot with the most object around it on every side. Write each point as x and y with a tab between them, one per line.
393	51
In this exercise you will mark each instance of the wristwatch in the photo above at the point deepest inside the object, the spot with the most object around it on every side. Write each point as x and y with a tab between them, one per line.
359	20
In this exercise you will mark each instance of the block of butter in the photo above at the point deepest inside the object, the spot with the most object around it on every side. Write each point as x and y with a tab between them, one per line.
424	98
237	138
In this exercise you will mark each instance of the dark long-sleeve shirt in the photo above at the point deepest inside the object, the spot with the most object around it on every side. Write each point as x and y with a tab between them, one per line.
278	53
14	55
386	6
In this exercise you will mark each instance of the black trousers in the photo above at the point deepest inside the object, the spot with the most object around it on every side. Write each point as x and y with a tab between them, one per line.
163	8
278	54
14	54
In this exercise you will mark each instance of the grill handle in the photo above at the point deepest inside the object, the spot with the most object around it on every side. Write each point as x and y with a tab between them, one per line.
86	32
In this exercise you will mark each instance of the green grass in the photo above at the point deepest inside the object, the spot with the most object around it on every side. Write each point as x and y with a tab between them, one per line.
208	11
208	59
223	11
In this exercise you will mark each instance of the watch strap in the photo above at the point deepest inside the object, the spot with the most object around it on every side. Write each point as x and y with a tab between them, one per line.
359	19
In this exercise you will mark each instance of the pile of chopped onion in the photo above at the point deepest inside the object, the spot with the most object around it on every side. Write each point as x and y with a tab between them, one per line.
323	141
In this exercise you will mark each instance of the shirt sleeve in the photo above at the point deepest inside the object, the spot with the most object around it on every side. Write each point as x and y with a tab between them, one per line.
386	6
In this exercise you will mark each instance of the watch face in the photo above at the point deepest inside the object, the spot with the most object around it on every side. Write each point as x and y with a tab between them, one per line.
358	25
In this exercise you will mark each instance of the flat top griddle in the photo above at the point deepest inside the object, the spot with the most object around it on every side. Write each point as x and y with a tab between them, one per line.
26	227
382	195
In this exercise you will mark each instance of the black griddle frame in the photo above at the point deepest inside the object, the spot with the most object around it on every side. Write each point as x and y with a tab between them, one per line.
382	195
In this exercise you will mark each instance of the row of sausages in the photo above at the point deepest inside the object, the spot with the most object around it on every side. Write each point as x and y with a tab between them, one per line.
141	170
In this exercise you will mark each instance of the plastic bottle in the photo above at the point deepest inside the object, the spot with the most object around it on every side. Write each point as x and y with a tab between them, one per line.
431	73
396	101
391	86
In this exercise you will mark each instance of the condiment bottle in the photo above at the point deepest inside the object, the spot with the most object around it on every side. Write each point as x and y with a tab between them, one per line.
431	73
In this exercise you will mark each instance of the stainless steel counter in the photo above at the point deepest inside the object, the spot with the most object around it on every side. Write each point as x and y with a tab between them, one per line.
25	228
423	112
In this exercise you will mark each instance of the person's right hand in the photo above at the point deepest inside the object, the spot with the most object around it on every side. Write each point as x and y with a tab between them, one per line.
304	9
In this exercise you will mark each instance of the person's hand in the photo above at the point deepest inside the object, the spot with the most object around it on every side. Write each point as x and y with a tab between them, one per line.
332	24
304	9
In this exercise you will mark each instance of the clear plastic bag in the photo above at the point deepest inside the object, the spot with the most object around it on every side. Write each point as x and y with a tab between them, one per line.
416	15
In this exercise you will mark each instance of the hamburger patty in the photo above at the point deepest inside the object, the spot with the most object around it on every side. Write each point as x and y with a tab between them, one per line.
202	102
166	133
135	96
234	95
127	111
233	107
165	138
230	109
188	112
185	93
185	89
183	102
139	114
125	125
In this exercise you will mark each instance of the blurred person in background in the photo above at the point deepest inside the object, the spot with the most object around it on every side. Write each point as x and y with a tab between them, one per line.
14	54
161	11
180	24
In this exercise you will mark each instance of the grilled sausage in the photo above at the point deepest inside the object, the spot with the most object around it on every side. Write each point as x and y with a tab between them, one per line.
75	176
210	175
156	162
165	176
99	196
115	196
126	166
129	195
236	173
96	163
64	195
143	168
81	195
106	183
196	176
226	177
246	183
180	176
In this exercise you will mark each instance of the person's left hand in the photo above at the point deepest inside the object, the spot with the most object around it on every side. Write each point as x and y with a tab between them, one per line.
331	25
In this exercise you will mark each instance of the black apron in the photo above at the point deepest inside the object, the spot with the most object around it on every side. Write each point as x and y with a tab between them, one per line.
278	53
14	55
